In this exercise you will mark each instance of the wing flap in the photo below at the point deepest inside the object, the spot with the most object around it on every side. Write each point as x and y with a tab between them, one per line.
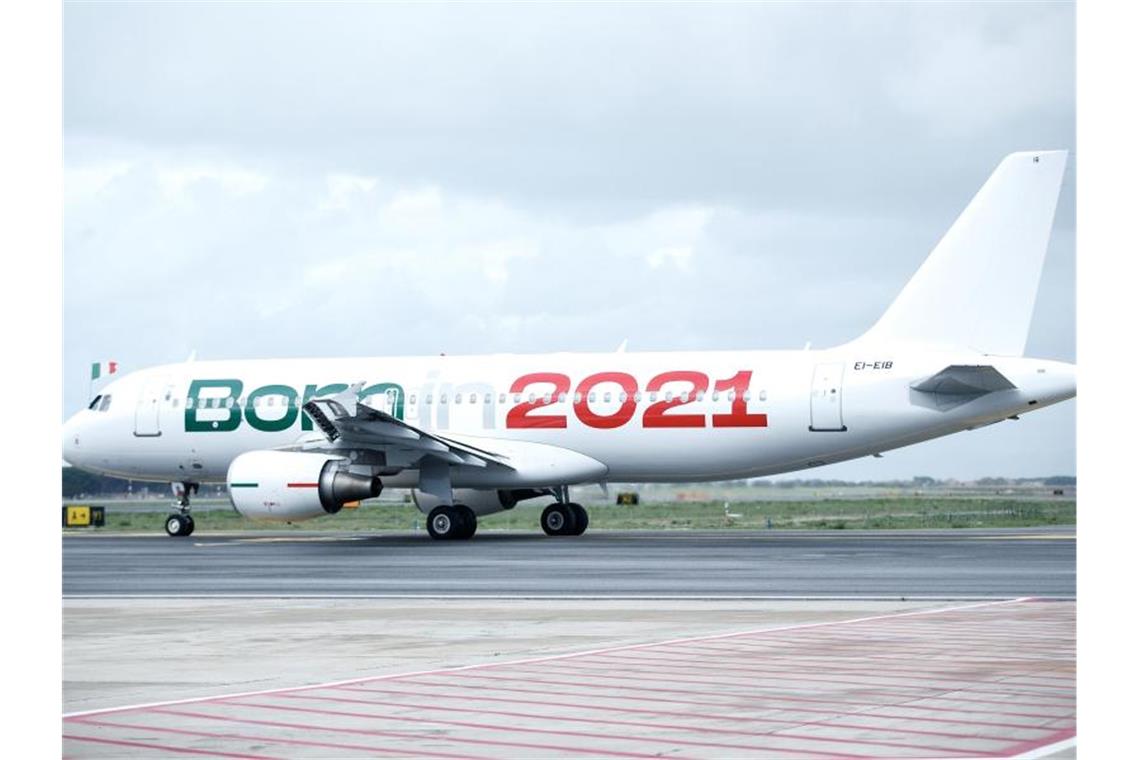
342	418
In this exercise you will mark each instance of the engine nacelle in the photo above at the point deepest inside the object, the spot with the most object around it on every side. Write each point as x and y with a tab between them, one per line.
288	485
481	501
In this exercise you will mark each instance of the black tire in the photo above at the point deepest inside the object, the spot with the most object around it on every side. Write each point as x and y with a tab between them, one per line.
444	523
559	520
581	519
469	520
176	525
189	525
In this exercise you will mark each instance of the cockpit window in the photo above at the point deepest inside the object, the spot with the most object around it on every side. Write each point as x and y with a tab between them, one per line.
106	403
94	402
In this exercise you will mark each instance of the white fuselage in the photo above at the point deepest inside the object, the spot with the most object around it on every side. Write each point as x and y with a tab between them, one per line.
680	416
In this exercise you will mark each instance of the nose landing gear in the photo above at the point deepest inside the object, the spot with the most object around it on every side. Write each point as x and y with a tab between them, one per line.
180	523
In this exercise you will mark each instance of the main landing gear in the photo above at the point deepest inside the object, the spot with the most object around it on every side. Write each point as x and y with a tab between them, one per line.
564	519
452	522
180	523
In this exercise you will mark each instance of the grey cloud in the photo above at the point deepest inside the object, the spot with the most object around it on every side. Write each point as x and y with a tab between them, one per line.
550	177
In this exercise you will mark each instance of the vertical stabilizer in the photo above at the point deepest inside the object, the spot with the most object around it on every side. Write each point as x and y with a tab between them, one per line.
977	288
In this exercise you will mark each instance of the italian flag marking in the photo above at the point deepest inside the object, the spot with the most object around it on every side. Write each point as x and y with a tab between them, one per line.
100	369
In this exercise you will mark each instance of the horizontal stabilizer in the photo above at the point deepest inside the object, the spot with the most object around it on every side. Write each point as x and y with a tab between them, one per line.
965	380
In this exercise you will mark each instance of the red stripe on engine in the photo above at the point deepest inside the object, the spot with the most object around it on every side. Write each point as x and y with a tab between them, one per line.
301	485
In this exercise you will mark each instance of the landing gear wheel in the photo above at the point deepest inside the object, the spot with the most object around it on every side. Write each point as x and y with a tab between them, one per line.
559	520
467	519
581	518
445	523
179	525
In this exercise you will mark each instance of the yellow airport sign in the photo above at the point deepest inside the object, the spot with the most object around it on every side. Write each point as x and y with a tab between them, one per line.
82	516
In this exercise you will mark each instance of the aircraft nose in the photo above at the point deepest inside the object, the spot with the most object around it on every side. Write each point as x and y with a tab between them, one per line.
71	441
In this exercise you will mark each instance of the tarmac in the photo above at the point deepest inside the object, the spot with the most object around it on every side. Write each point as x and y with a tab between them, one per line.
875	644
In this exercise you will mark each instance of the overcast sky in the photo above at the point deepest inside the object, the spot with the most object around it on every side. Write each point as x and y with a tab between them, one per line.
267	180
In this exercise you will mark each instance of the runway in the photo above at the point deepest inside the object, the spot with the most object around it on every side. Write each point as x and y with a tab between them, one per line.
948	564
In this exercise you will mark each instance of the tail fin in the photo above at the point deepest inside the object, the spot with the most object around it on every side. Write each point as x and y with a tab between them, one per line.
977	288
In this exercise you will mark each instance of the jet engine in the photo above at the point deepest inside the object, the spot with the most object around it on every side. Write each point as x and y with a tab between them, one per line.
288	485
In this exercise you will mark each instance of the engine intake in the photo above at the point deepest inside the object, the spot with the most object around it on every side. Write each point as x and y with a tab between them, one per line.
289	485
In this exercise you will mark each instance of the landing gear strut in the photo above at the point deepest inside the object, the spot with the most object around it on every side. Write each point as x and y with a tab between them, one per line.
180	523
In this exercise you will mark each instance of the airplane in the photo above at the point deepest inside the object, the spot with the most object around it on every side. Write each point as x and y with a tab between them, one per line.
295	439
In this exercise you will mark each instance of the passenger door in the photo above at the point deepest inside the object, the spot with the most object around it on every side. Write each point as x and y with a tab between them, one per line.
827	398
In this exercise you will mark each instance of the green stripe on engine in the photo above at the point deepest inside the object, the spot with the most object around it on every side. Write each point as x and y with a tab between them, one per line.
243	485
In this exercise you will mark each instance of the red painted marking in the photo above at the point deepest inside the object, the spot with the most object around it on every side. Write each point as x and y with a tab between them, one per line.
776	674
737	694
302	485
769	704
1028	746
871	713
513	729
949	751
775	649
789	723
570	656
401	734
837	664
1006	678
162	747
270	739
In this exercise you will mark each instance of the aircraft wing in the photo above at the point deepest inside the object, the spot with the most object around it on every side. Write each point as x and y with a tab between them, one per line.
348	423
